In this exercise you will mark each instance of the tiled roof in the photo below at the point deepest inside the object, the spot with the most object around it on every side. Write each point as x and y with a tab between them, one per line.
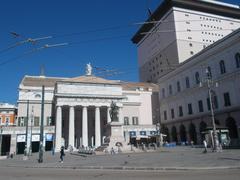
37	81
91	79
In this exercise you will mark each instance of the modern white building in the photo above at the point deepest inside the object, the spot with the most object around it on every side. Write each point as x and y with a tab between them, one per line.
79	108
179	29
184	99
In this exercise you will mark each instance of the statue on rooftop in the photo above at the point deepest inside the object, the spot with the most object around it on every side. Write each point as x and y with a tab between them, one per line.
88	69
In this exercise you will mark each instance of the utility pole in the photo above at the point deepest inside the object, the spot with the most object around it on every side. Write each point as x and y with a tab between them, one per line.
32	118
209	80
40	160
26	136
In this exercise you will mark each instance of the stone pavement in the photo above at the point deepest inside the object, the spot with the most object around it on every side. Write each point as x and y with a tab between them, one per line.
178	158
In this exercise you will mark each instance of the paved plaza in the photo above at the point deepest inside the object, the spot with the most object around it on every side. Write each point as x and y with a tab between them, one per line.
178	158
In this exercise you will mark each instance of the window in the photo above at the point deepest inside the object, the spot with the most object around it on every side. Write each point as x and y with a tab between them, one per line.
209	72
222	67
227	101
7	121
208	104
237	58
170	89
172	113
126	120
197	78
191	52
215	102
200	106
36	121
49	121
178	86
180	111
163	93
135	120
165	115
187	82
190	109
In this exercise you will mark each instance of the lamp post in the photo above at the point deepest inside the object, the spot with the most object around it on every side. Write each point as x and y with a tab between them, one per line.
210	91
1	131
26	136
40	160
32	117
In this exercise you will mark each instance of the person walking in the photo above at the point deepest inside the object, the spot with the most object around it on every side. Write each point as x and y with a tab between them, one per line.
205	146
62	154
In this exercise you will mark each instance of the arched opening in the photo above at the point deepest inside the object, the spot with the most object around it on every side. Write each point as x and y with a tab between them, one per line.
232	128
174	134
202	128
183	133
193	133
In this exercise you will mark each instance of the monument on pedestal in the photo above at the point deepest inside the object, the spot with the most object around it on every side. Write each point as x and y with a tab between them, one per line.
116	140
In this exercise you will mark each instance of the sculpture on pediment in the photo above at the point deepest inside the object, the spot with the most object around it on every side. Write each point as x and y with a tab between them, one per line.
114	112
89	69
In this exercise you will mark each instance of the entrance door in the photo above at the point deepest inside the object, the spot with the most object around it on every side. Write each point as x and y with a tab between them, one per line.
35	146
20	147
6	142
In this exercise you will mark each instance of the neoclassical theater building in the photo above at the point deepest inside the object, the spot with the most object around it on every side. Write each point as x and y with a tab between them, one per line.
79	108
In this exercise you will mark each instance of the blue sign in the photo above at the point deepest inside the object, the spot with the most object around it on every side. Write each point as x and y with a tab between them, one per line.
49	137
143	133
132	133
153	133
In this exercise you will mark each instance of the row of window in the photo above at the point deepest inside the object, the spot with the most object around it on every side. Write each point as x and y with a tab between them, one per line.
222	69
134	121
209	19
227	102
22	121
210	26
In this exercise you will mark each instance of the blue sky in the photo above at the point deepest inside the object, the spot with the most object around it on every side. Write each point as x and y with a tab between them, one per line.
98	31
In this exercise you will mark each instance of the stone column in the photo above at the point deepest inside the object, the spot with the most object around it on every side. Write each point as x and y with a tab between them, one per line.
97	127
84	127
108	115
58	129
71	132
120	115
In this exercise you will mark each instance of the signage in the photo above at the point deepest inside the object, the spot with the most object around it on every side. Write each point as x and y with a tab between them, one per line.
49	137
143	133
21	138
35	137
132	133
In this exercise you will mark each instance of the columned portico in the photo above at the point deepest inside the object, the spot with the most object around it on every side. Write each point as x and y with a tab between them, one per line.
97	127
108	115
71	131
84	127
58	131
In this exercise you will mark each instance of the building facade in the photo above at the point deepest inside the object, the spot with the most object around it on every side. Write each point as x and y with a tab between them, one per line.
184	100
179	29
8	115
79	109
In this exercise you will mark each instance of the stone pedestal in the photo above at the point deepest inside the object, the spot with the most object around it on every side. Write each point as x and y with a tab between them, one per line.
116	140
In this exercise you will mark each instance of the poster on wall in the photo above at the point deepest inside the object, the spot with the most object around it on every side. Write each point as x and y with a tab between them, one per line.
35	137
21	138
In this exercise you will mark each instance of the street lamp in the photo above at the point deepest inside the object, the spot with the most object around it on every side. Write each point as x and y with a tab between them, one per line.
32	117
26	136
40	160
210	91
